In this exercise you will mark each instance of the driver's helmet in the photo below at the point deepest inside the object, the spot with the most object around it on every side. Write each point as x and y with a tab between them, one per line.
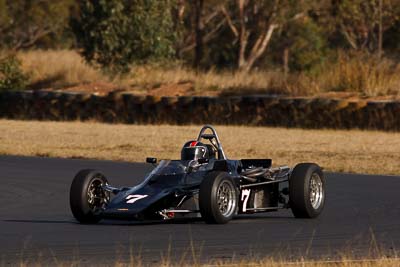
194	150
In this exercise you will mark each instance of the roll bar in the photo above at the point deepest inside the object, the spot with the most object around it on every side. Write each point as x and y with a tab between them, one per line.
211	137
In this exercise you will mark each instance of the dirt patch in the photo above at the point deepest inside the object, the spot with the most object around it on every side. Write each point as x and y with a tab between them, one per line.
188	89
172	89
97	88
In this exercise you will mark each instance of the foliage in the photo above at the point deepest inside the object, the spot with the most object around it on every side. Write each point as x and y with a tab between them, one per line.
358	21
257	23
28	23
215	34
117	33
152	32
306	44
11	75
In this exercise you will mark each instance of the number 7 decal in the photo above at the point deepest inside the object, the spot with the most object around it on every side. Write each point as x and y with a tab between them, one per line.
133	198
245	198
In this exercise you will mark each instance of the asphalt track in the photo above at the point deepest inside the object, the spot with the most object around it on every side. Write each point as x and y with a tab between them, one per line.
361	218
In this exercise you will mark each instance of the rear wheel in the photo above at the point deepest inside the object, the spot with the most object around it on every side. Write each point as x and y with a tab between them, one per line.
87	197
307	190
218	198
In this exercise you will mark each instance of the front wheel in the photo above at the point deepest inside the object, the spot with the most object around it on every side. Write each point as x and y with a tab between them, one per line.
307	190
218	198
87	197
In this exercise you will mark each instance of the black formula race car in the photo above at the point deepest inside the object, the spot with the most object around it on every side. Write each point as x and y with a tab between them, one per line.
204	182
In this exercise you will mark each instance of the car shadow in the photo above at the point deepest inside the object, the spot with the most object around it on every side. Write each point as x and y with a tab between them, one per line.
40	221
153	222
107	222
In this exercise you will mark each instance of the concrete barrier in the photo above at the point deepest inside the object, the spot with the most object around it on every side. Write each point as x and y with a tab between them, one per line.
246	110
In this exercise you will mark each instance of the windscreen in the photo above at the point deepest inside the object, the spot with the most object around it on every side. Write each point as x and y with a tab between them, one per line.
169	167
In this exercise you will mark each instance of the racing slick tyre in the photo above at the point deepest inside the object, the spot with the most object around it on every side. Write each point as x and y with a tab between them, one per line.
307	190
87	197
218	198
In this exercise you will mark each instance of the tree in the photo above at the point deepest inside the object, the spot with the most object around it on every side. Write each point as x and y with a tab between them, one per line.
362	22
301	44
254	22
25	23
199	5
200	23
117	33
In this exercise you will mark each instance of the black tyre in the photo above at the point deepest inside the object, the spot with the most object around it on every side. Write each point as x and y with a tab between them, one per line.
87	197
218	198
307	190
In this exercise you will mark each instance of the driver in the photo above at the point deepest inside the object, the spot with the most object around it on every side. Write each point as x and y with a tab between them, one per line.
195	150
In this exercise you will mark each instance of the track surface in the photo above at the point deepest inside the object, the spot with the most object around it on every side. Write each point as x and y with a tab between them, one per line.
36	223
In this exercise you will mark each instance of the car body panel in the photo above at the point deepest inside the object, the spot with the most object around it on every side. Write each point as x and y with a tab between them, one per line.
171	182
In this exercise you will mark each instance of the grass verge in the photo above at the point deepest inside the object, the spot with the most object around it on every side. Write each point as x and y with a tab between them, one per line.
57	69
381	262
370	152
356	73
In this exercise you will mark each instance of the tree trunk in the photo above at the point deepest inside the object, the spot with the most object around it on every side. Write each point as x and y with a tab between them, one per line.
199	33
257	50
285	59
380	33
243	37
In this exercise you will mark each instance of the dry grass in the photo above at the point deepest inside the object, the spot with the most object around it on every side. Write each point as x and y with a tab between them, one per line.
64	68
345	262
341	263
150	76
361	73
346	151
358	73
57	68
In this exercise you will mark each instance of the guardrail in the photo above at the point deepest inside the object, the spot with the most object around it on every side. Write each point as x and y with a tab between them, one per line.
236	110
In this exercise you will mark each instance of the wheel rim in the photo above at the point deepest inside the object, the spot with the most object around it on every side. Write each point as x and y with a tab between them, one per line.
97	197
316	191
226	198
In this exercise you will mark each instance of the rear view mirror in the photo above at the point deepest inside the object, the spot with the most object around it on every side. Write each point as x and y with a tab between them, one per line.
151	160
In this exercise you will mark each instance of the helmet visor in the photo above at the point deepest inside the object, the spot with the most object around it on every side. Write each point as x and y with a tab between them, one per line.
193	153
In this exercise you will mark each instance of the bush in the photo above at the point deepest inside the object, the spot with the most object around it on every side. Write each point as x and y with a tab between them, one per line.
115	34
308	48
11	75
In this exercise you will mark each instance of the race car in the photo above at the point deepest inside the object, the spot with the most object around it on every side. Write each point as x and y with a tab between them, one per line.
202	183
